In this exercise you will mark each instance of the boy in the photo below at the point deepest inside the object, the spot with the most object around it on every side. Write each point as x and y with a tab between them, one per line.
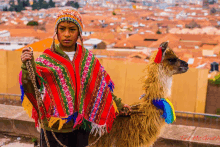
77	90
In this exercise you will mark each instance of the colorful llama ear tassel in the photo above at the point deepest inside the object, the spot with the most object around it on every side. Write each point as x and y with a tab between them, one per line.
159	55
161	51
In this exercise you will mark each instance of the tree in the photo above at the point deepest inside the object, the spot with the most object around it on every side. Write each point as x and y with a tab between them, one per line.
35	5
18	7
12	5
211	2
11	2
40	2
32	23
5	8
27	3
76	5
73	4
113	13
44	5
51	3
11	8
158	32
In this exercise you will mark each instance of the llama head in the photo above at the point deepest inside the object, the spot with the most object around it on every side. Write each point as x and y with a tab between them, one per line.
162	65
168	61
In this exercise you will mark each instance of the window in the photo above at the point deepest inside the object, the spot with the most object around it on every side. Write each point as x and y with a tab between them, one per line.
214	66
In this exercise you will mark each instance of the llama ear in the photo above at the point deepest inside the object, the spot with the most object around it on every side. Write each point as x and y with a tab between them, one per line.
164	46
161	52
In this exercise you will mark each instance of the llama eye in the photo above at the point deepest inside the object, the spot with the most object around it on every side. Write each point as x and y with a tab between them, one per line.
172	60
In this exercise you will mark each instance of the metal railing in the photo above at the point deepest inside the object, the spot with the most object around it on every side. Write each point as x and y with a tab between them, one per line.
197	119
182	118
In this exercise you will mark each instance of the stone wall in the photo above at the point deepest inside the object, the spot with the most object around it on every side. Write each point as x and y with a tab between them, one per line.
212	98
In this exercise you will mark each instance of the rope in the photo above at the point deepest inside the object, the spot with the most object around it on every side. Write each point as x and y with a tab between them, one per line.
39	99
91	144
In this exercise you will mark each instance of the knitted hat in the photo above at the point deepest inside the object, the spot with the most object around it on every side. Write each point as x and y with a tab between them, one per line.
71	15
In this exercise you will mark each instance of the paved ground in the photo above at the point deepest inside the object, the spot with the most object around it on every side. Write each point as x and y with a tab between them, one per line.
16	141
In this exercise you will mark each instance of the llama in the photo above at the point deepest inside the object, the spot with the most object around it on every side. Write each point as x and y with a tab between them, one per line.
144	125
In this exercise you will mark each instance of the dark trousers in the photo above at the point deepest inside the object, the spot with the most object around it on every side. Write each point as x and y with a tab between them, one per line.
77	138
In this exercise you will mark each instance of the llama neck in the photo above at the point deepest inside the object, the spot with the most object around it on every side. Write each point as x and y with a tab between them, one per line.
157	84
165	81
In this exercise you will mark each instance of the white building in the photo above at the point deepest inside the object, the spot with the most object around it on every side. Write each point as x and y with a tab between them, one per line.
13	43
94	43
5	33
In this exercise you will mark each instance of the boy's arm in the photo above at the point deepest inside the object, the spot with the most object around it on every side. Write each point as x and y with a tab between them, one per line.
118	102
26	80
124	109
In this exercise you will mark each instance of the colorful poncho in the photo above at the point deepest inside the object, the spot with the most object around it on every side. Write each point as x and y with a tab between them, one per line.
79	90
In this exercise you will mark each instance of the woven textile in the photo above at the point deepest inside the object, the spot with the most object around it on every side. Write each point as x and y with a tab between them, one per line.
69	15
79	90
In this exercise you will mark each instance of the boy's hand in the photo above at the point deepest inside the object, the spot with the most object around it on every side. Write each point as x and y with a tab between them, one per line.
27	54
126	110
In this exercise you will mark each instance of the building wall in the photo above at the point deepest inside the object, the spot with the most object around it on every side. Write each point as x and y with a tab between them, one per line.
188	89
3	71
213	99
10	67
5	34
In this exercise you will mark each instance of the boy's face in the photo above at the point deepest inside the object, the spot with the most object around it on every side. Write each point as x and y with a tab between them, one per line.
67	33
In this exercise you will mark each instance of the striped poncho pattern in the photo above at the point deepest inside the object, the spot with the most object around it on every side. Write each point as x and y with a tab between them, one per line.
79	90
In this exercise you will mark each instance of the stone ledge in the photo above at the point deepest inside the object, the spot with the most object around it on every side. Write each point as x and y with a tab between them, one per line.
192	135
14	120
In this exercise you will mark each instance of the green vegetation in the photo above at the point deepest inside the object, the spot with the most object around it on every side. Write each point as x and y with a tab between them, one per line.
5	8
51	3
73	4
215	80
159	32
34	139
32	23
129	29
113	13
20	6
42	4
24	3
218	111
